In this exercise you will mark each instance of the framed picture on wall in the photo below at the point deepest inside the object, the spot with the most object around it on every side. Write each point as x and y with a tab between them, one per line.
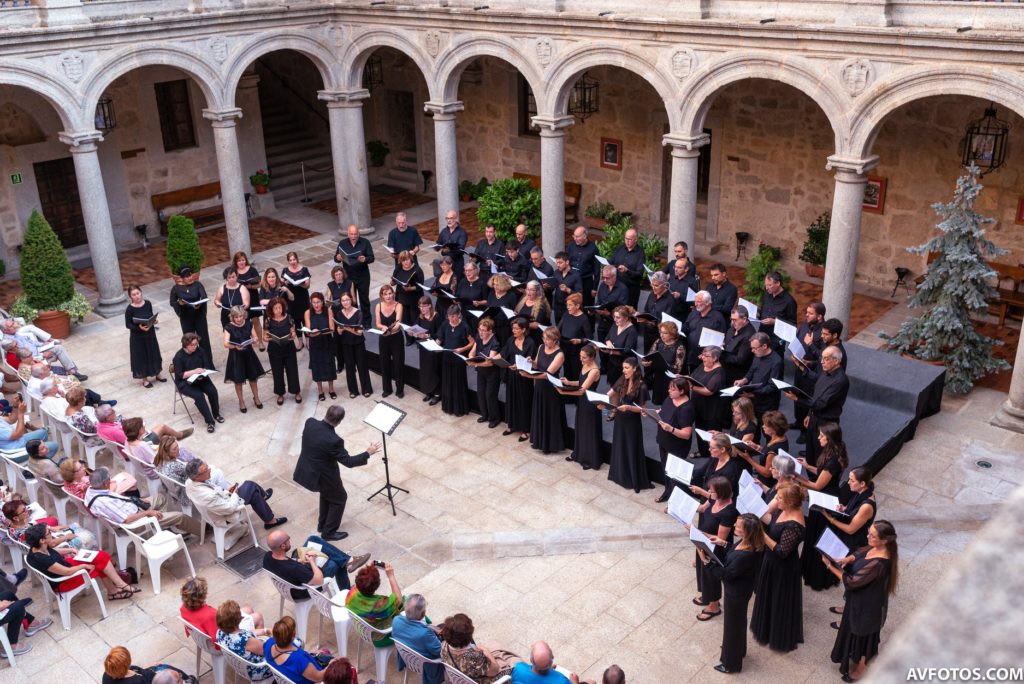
1018	218
874	195
611	154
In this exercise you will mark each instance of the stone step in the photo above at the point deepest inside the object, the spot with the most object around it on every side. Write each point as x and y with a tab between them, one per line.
567	540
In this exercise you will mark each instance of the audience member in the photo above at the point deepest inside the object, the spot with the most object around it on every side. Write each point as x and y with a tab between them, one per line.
413	629
74	535
225	507
117	667
378	610
43	459
291	660
198	613
109	426
542	669
118	509
13	617
341	671
308	570
35	340
483	665
237	632
14	434
58	564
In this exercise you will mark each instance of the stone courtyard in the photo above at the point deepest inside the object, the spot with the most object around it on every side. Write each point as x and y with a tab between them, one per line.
529	546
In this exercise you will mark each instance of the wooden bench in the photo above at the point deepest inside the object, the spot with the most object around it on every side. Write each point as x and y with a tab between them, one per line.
203	216
572	194
1009	290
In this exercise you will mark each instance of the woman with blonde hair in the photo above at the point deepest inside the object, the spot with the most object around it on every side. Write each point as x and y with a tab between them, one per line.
502	297
387	318
622	336
243	365
535	308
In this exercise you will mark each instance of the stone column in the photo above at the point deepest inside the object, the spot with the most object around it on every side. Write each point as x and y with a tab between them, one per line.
229	167
446	158
1011	414
552	178
348	150
844	236
98	229
682	212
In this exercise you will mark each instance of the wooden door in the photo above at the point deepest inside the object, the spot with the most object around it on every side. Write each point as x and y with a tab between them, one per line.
58	195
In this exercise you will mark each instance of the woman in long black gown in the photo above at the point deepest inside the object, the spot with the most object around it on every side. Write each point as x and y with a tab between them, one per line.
623	336
143	347
708	407
666	346
832	461
296	278
249	278
859	513
575	329
547	426
628	466
243	365
455	338
777	619
353	346
588	443
501	295
715	518
518	390
186	292
488	376
338	285
279	333
869	575
430	362
320	322
229	295
675	428
387	317
738	575
407	278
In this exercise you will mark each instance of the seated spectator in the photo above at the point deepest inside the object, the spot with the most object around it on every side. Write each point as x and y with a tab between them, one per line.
278	562
13	617
59	563
52	401
613	675
291	660
80	416
33	339
541	668
226	507
74	535
413	629
44	459
135	445
171	459
481	664
39	372
341	671
240	638
122	509
109	427
13	432
377	610
118	668
76	480
195	611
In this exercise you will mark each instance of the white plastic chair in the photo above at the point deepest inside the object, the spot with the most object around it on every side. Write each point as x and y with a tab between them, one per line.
64	598
176	492
454	676
15	473
61	499
220	532
239	665
337	613
121	539
90	521
6	644
59	427
302	606
89	450
414	662
367	633
163	544
204	644
278	676
140	470
18	551
31	403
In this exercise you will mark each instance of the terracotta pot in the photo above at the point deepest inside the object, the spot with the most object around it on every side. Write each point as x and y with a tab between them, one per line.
261	189
595	222
814	270
911	357
57	323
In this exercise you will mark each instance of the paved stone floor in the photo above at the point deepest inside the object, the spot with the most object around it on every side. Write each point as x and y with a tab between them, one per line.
528	545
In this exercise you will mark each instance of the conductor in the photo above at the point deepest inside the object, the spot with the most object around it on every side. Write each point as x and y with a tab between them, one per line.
317	468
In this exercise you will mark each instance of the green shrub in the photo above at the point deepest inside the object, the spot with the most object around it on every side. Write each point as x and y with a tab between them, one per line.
508	202
766	260
46	277
183	244
816	246
604	210
615	234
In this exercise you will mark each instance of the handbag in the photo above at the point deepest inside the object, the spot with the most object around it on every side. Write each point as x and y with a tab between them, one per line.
129	575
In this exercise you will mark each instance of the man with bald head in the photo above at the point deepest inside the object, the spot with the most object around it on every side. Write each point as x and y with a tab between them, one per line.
581	253
281	561
523	242
628	259
356	254
541	668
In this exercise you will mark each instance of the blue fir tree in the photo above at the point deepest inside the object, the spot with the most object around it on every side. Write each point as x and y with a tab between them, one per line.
955	287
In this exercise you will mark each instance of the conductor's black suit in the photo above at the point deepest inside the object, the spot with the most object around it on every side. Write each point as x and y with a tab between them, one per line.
317	471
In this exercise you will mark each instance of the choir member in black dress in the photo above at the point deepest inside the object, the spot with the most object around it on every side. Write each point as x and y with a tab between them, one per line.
296	278
623	336
518	390
658	302
715	518
548	427
665	346
736	354
722	464
407	278
774	425
430	362
243	365
455	337
738	575
143	347
567	281
186	292
783	471
279	333
319	321
777	620
271	286
191	360
588	442
574	328
356	254
708	406
471	291
249	278
349	322
826	472
336	286
535	308
859	510
744	422
675	427
229	295
502	296
447	281
869	576
628	460
488	376
387	318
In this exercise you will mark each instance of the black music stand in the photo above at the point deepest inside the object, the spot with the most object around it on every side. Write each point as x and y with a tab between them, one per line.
386	418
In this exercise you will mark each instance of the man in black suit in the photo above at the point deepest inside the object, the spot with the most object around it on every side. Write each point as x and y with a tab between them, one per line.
831	386
736	354
356	254
317	468
765	366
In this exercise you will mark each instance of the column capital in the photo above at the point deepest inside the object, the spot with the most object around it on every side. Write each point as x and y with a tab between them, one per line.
444	108
690	143
343	98
80	141
552	124
851	164
224	117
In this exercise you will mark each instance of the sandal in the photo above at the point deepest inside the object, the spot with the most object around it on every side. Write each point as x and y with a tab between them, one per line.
333	395
147	385
210	427
160	379
320	397
258	405
280	400
124	592
705	615
836	610
298	398
834	625
698	602
352	395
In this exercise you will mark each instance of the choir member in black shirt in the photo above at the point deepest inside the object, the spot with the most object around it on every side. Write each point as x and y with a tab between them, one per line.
430	362
387	317
628	467
675	428
831	387
452	239
708	406
809	335
143	347
765	366
628	259
831	336
407	278
356	254
680	285
575	330
488	249
352	341
567	281
736	354
610	294
623	337
279	333
702	316
723	293
191	360
534	306
658	302
500	294
404	238
515	265
738	575
777	619
715	518
680	252
522	241
581	253
186	292
542	271
744	423
869	576
776	303
518	390
229	295
338	285
666	347
588	443
455	337
471	291
296	278
547	426
859	512
488	376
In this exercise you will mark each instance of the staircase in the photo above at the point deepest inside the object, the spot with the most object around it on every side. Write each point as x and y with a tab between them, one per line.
402	171
288	142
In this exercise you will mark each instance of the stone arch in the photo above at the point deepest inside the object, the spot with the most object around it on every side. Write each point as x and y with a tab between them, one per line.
65	101
353	59
907	85
458	56
563	74
809	78
303	43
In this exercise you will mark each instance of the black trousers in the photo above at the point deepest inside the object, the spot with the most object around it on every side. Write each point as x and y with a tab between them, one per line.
588	290
355	360
734	632
800	381
392	361
362	286
284	363
339	354
332	508
16	613
204	393
488	381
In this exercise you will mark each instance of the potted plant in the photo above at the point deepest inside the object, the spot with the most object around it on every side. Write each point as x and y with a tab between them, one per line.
956	285
378	151
260	181
508	202
767	259
816	246
183	246
599	215
49	297
466	188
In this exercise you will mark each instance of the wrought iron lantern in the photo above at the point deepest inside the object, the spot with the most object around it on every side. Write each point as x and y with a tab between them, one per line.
984	144
373	73
584	100
105	119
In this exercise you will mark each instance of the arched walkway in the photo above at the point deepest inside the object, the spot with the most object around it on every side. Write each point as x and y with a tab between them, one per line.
315	50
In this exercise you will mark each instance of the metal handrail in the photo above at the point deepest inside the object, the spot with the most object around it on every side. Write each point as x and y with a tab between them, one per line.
294	92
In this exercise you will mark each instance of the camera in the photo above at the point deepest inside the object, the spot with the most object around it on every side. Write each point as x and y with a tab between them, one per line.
379	564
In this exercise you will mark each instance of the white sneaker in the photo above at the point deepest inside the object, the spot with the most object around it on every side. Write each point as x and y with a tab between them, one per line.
38	626
22	649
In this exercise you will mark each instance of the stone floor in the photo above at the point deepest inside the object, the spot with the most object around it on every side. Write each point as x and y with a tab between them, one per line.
528	545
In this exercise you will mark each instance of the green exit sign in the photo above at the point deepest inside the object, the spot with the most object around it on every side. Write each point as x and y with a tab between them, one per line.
15	179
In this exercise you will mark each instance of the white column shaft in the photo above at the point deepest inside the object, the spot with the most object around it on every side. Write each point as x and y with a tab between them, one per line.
354	161
682	213
447	165
232	192
552	190
843	242
1011	415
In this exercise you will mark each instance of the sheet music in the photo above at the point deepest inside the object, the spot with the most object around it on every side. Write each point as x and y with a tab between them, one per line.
750	501
691	296
751	308
601	260
682	506
205	374
384	417
746	479
784	331
671	375
665	318
830	545
557	382
730	391
413	329
797	349
711	338
598	398
700	539
524	364
679	469
509	313
823	500
703	434
781	384
431	345
540	275
800	470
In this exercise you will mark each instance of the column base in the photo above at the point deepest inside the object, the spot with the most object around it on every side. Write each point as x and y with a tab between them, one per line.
113	307
1009	417
366	232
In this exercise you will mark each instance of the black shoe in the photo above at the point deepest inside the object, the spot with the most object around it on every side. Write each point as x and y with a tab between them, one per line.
427	397
481	419
335	536
268	493
385	395
352	395
662	499
332	395
81	376
802	439
219	419
400	394
277	521
493	424
435	401
723	669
